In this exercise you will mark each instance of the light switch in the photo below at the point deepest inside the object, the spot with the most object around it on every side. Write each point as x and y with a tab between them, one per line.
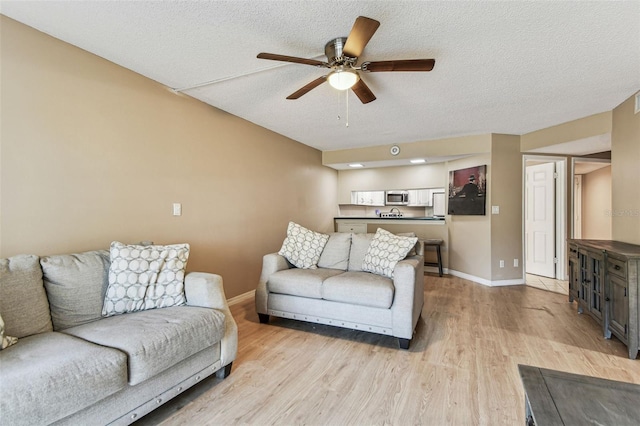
177	209
495	209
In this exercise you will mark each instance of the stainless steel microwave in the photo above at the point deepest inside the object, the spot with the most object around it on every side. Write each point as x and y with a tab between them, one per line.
397	198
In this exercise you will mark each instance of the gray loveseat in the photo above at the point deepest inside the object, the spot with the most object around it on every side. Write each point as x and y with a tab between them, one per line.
339	293
72	366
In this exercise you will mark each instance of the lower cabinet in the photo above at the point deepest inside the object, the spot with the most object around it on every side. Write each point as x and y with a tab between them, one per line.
618	282
603	278
590	277
355	228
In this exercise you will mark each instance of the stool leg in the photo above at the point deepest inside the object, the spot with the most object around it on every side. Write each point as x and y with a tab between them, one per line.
439	259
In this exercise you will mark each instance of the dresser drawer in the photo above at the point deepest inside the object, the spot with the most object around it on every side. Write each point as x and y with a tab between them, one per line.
617	267
573	251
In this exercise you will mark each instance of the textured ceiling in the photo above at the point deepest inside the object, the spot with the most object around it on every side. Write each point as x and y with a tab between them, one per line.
501	67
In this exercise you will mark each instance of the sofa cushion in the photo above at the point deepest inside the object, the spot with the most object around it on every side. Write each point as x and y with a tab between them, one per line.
336	252
145	277
303	247
300	282
359	246
385	251
5	341
23	300
75	284
359	288
48	376
157	339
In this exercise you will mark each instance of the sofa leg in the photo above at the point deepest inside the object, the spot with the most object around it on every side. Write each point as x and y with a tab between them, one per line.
404	343
224	372
264	318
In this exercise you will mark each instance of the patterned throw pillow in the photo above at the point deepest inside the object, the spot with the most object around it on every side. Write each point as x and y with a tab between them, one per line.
145	277
385	250
303	247
5	341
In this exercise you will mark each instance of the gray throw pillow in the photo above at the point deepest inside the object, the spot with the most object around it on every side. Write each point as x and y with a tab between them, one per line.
76	284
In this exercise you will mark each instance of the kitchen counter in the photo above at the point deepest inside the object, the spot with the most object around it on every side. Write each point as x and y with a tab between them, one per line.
403	218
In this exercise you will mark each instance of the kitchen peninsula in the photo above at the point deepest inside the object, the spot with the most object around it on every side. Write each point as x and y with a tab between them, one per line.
425	227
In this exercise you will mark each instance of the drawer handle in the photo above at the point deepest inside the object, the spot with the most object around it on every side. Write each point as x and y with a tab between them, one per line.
617	267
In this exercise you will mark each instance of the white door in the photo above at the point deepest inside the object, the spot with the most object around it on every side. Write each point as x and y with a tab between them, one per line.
540	220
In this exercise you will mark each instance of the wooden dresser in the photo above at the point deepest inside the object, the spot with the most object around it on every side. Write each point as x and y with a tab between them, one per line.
603	278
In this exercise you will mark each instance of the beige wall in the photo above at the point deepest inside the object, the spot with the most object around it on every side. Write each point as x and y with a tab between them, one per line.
596	204
625	173
92	152
463	145
583	128
474	245
470	236
506	193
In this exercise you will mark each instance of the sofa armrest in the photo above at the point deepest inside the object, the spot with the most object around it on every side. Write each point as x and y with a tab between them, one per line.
271	263
408	280
207	291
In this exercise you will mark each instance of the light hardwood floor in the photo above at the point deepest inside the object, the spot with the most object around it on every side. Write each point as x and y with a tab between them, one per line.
461	368
549	284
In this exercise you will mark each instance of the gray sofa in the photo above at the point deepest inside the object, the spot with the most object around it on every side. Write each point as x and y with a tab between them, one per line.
72	366
339	293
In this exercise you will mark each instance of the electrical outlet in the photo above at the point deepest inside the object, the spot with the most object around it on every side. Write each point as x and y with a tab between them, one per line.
502	263
515	263
177	209
495	209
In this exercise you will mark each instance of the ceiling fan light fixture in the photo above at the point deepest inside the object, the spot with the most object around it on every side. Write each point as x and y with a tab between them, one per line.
343	79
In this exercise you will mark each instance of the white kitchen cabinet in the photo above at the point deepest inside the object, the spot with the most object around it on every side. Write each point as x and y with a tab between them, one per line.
367	198
420	198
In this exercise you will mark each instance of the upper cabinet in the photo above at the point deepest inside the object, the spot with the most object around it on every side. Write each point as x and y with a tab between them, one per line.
420	198
417	197
367	198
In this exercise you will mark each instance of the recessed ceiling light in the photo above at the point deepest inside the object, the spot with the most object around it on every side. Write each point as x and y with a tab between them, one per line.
356	165
418	161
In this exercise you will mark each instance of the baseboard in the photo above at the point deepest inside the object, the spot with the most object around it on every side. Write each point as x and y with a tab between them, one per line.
241	297
488	283
434	270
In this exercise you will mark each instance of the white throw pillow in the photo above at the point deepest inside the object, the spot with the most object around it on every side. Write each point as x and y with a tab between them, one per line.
303	247
5	341
145	277
385	250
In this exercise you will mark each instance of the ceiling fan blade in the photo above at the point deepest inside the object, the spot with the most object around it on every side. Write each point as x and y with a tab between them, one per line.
363	92
361	32
309	87
284	58
401	65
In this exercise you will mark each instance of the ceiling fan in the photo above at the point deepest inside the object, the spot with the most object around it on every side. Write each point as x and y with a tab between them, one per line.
342	55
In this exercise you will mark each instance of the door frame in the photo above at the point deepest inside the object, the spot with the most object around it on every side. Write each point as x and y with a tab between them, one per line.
575	160
576	203
561	211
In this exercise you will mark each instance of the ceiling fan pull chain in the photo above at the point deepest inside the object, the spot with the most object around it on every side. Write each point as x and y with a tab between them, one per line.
346	94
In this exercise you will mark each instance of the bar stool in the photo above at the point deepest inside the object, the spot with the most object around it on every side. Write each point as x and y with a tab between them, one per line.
437	243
